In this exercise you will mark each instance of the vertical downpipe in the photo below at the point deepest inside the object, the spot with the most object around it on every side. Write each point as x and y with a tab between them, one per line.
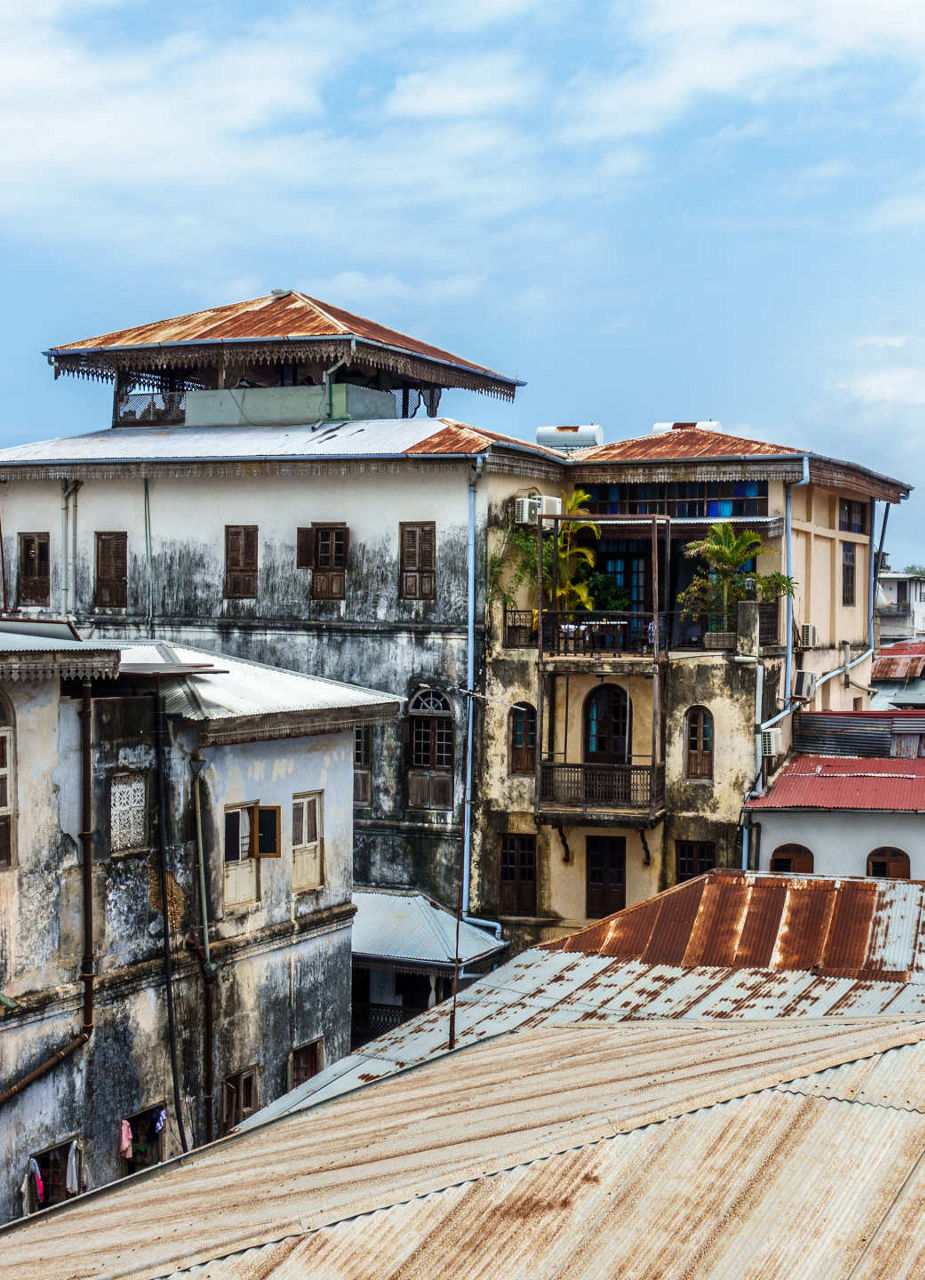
470	684
788	521
149	568
161	745
74	487
656	709
86	849
65	577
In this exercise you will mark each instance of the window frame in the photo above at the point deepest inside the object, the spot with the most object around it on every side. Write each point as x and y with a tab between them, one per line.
889	854
320	1052
36	596
597	847
693	851
795	854
848	575
310	850
111	591
699	761
517	893
522	756
328	566
430	750
129	1163
235	1081
8	810
145	842
362	766
242	561
417	560
61	1150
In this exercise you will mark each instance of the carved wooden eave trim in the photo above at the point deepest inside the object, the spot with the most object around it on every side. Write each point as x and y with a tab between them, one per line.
103	665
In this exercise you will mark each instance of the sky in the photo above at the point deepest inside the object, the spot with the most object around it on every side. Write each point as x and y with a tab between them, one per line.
648	211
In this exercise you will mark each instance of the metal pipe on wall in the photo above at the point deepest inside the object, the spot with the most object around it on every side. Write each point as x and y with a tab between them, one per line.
788	536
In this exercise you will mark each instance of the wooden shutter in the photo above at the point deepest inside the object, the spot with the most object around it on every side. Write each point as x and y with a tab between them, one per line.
331	553
418	549
240	561
34	572
111	570
305	548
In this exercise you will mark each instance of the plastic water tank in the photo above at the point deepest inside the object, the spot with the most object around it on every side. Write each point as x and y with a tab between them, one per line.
580	437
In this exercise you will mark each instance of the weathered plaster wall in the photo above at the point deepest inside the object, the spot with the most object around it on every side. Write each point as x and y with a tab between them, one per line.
840	842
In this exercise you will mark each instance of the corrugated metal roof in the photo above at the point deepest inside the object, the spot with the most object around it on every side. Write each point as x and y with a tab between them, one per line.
534	1099
902	646
289	315
408	927
857	927
899	667
827	782
386	437
685	441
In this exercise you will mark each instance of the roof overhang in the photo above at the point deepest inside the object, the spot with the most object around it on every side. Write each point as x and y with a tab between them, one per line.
227	730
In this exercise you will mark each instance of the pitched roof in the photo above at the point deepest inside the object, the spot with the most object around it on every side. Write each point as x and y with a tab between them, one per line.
900	666
292	318
536	1123
736	919
684	440
380	438
827	782
409	928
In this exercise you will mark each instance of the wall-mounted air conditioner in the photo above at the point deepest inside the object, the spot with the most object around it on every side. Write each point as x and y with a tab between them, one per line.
772	742
808	635
528	510
805	685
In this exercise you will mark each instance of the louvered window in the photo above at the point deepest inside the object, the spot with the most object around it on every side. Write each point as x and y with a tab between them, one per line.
325	549
240	561
34	570
111	570
418	561
430	748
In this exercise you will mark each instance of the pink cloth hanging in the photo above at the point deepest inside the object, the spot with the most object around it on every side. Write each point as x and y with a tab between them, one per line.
125	1140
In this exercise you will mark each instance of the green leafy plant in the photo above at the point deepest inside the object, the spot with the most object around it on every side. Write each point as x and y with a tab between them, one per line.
722	581
567	562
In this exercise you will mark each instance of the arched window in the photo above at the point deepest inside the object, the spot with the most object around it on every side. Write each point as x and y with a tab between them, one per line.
429	751
792	857
7	789
608	717
699	739
888	864
523	738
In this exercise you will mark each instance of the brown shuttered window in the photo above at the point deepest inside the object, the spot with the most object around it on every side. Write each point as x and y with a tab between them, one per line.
695	858
888	864
34	573
418	561
518	875
605	875
699	743
330	553
240	561
111	571
523	738
795	858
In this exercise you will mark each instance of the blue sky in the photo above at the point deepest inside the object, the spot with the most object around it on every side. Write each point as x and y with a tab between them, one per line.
648	211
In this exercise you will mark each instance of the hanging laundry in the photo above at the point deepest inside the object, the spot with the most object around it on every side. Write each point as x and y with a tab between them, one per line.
125	1140
37	1175
72	1177
160	1119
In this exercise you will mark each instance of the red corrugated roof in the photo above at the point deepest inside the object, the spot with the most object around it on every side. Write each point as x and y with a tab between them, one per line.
739	920
901	667
289	315
840	782
459	437
684	440
902	646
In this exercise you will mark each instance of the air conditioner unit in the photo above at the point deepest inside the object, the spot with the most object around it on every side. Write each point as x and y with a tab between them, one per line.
772	742
550	506
805	685
525	510
808	635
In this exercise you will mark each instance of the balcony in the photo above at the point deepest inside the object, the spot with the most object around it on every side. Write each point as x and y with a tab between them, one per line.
593	789
900	610
594	633
150	409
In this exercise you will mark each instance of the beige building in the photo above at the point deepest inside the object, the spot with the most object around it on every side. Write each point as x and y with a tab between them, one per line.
622	743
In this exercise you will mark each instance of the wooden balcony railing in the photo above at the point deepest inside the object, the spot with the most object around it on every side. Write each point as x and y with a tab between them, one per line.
601	786
584	631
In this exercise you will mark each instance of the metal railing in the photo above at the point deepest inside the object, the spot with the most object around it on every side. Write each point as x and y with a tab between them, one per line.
768	616
593	631
150	408
900	610
371	1020
596	786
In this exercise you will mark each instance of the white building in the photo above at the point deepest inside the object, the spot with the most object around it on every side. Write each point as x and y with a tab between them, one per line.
901	605
176	838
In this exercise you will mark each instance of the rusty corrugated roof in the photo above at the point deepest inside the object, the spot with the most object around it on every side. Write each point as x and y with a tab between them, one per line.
685	441
291	315
904	666
738	920
637	1095
894	785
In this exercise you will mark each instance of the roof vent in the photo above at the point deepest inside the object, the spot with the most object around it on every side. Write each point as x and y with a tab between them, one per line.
281	293
578	437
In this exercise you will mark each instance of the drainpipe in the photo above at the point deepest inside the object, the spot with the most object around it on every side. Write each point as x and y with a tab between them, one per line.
86	848
67	489
161	748
207	968
149	570
492	925
327	376
756	788
788	667
74	488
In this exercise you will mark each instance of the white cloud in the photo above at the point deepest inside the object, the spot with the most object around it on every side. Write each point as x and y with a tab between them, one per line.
887	341
897	386
471	85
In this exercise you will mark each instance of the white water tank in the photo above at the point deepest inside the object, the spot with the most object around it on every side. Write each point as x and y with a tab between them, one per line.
580	437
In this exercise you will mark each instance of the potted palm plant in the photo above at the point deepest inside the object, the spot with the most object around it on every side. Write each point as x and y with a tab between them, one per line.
721	581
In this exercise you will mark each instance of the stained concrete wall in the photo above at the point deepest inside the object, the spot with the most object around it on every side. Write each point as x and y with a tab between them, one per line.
284	965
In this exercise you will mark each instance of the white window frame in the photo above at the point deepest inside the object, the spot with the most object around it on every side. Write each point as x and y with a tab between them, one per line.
8	774
133	776
241	881
307	855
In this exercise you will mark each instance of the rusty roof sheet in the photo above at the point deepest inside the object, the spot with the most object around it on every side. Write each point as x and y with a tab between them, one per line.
532	1100
291	315
861	928
685	441
903	666
894	785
